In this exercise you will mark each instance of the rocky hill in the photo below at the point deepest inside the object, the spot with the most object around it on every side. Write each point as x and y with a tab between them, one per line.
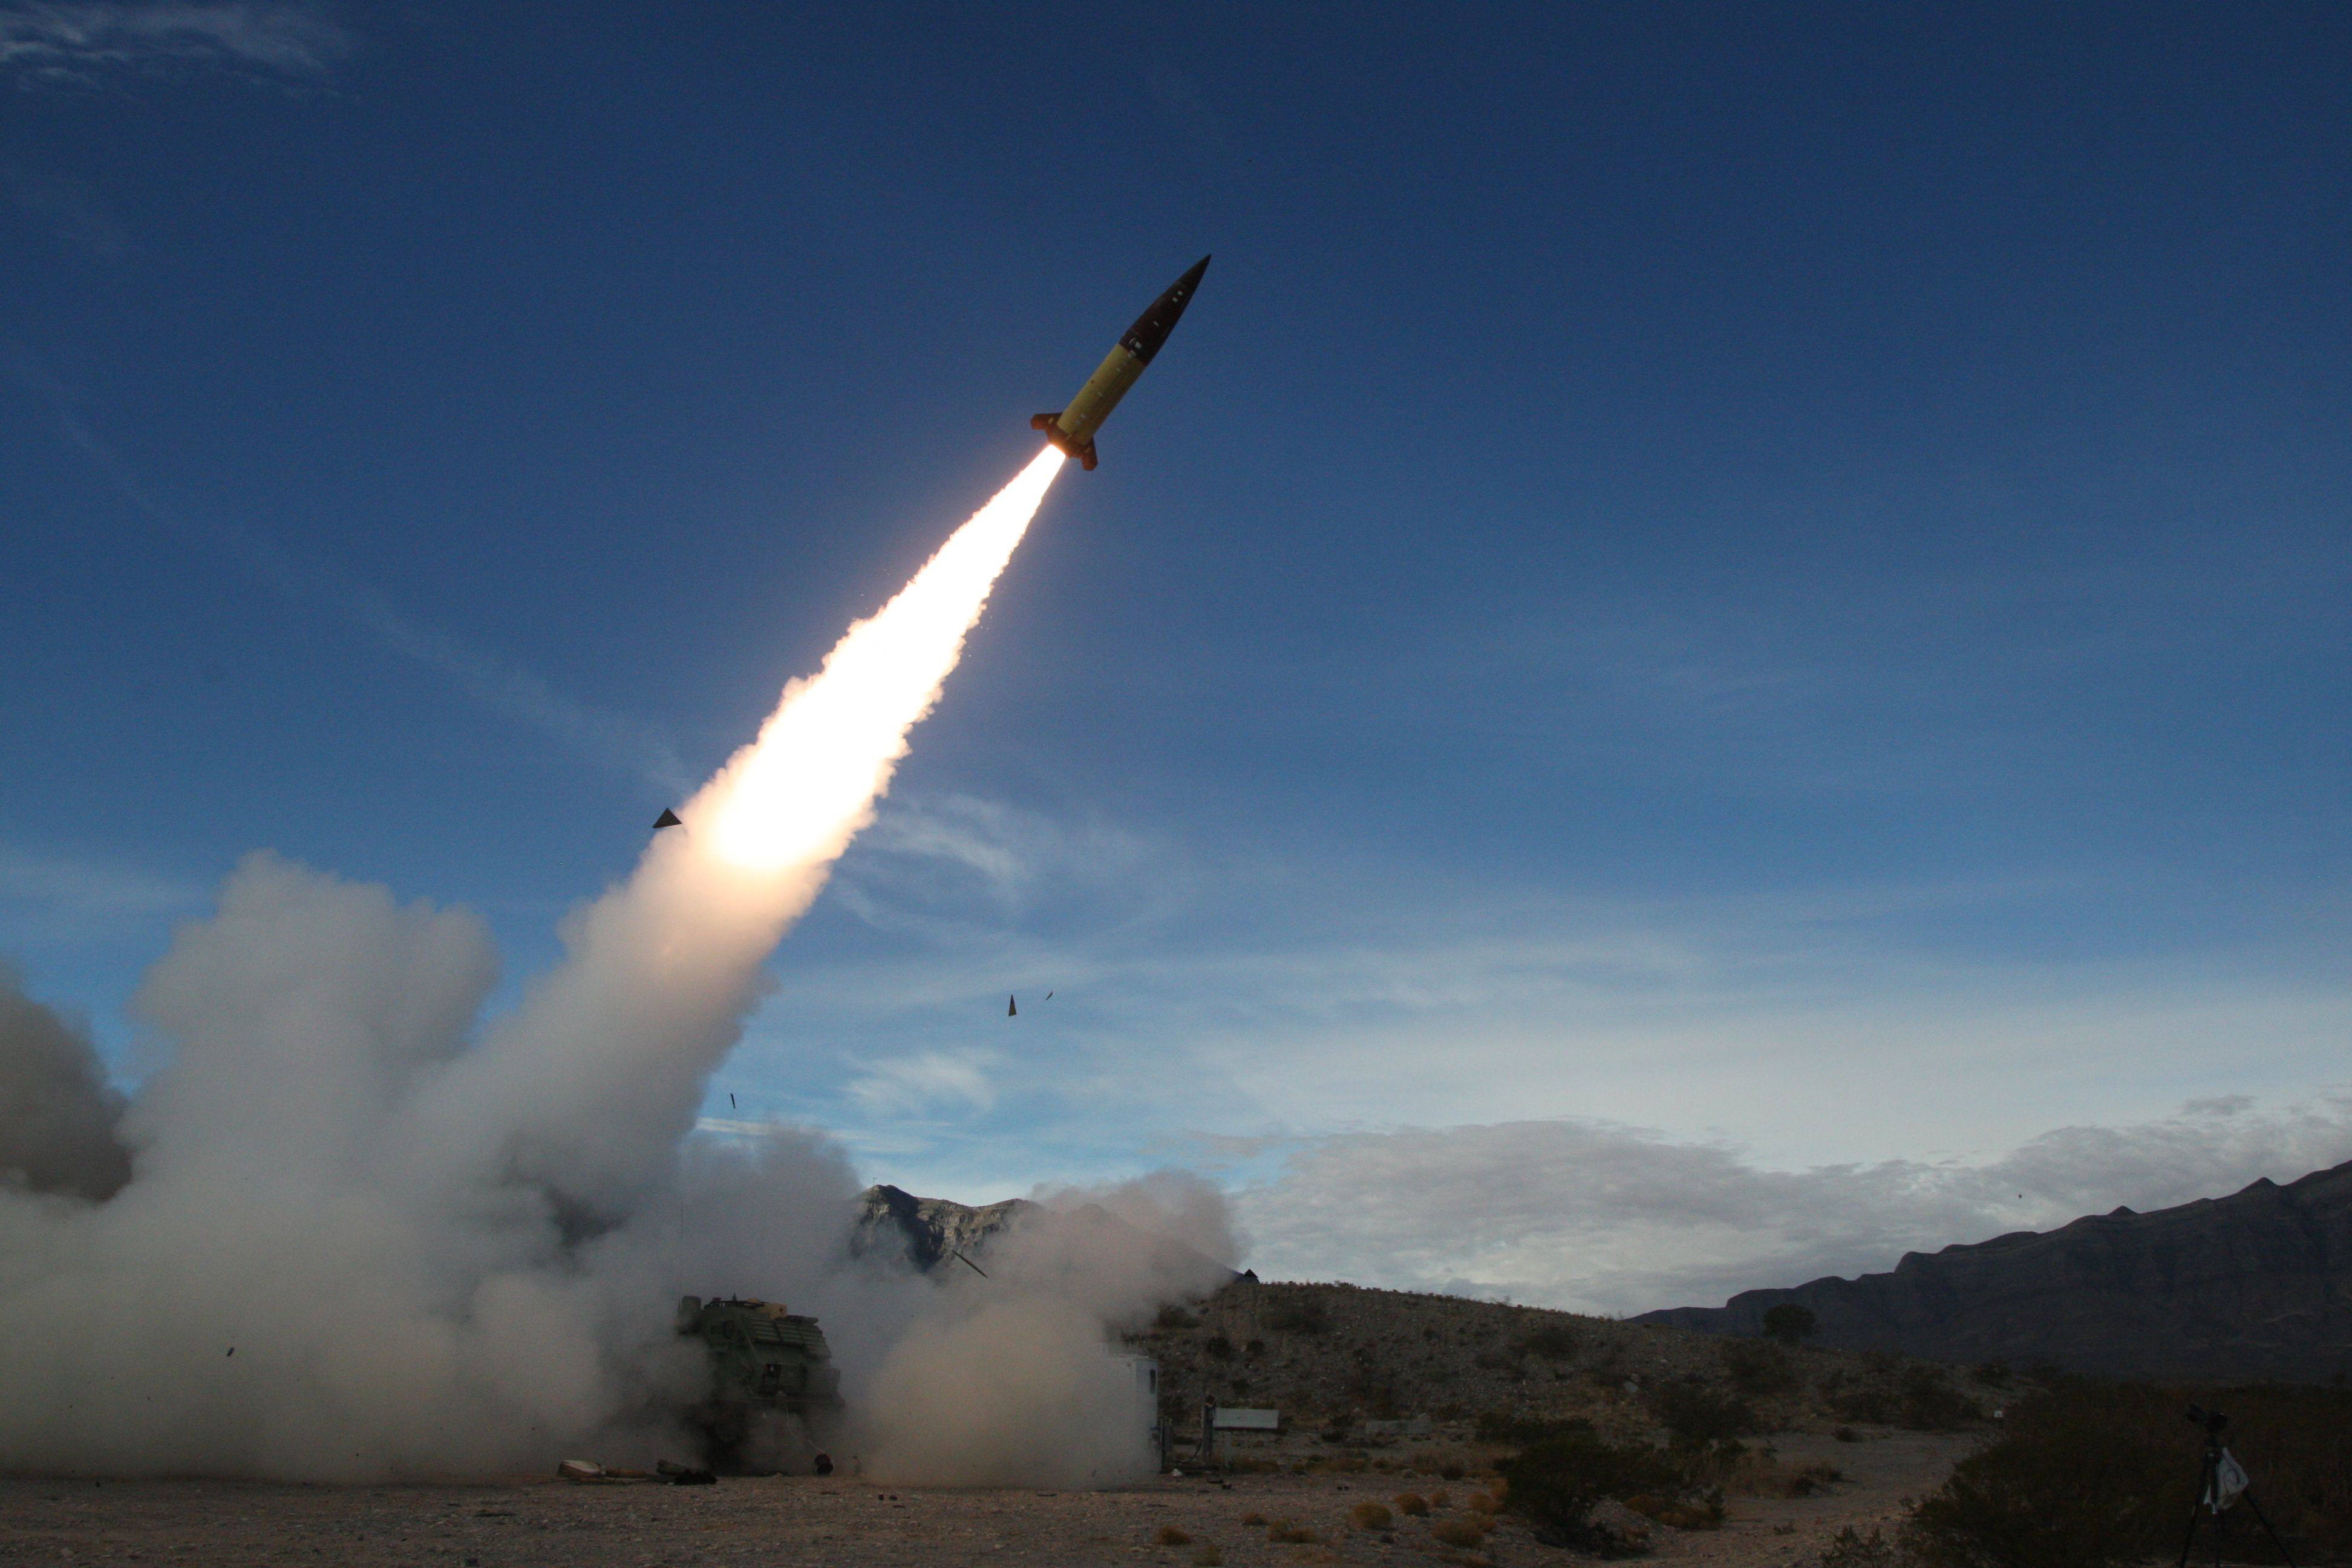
2256	1286
1396	1367
892	1222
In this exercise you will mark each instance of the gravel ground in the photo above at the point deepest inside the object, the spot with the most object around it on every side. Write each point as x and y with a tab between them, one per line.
843	1523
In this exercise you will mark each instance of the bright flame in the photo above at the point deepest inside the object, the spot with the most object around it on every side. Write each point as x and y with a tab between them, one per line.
796	795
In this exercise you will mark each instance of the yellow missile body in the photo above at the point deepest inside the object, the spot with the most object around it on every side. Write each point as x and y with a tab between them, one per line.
1073	428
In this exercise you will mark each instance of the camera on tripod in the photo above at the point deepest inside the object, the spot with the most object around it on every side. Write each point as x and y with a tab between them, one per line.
2213	1421
2220	1482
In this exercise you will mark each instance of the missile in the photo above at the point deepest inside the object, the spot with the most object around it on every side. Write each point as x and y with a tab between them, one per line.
1073	428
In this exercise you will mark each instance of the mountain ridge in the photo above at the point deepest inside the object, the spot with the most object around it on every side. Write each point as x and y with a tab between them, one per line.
2253	1286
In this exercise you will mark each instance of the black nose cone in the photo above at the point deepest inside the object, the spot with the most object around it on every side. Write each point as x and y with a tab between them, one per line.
1153	327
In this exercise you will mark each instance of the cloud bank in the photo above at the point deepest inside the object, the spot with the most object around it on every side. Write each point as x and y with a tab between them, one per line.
1603	1218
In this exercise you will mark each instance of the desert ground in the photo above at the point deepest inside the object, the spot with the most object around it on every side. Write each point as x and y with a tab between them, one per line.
838	1521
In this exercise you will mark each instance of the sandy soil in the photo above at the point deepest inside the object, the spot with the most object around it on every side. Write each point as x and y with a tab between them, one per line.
838	1521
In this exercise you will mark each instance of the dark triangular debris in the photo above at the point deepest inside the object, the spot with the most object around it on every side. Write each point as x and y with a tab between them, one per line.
667	819
1012	1008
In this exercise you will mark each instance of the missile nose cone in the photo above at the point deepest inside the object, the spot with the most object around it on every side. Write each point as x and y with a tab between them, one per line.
1151	328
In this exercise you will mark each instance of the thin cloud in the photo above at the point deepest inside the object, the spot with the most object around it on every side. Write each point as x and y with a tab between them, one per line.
76	42
924	852
52	897
926	1080
614	740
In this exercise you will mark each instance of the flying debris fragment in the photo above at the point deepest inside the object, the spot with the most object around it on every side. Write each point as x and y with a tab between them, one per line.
1012	1007
968	1263
667	819
1073	428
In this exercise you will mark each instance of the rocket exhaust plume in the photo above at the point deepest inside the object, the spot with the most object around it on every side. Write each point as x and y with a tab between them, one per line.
588	1089
437	1248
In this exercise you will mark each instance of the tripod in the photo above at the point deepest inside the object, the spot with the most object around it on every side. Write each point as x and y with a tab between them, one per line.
2218	1467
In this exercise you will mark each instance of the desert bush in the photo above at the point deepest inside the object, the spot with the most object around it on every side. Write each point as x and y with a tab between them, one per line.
1441	1497
1992	1374
1789	1324
1173	1317
1282	1532
1758	1368
1412	1505
1301	1315
2093	1474
1504	1426
1848	1550
1219	1346
1555	1483
1254	1521
1509	1362
1211	1556
1704	1513
1457	1532
1484	1503
1370	1516
1927	1402
1169	1535
1553	1342
1846	1435
1695	1413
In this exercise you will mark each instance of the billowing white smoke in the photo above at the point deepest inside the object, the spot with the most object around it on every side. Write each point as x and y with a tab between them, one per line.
982	1389
356	1241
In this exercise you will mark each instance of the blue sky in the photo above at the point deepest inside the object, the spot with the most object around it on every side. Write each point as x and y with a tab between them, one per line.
1770	580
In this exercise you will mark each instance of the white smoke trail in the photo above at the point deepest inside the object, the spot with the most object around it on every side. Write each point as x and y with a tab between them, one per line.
355	1244
589	1088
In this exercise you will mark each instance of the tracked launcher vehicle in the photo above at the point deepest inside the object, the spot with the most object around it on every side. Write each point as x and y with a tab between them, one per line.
773	1387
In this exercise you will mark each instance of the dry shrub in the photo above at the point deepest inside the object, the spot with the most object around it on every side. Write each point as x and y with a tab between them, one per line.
1759	1367
1209	1556
1762	1475
1848	1550
1553	1342
1370	1516
1282	1532
1695	1413
1441	1497
1412	1505
1169	1535
1485	1502
1682	1513
1458	1532
1254	1521
1556	1485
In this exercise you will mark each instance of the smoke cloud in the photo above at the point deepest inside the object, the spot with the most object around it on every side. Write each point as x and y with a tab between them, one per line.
351	1230
58	1114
